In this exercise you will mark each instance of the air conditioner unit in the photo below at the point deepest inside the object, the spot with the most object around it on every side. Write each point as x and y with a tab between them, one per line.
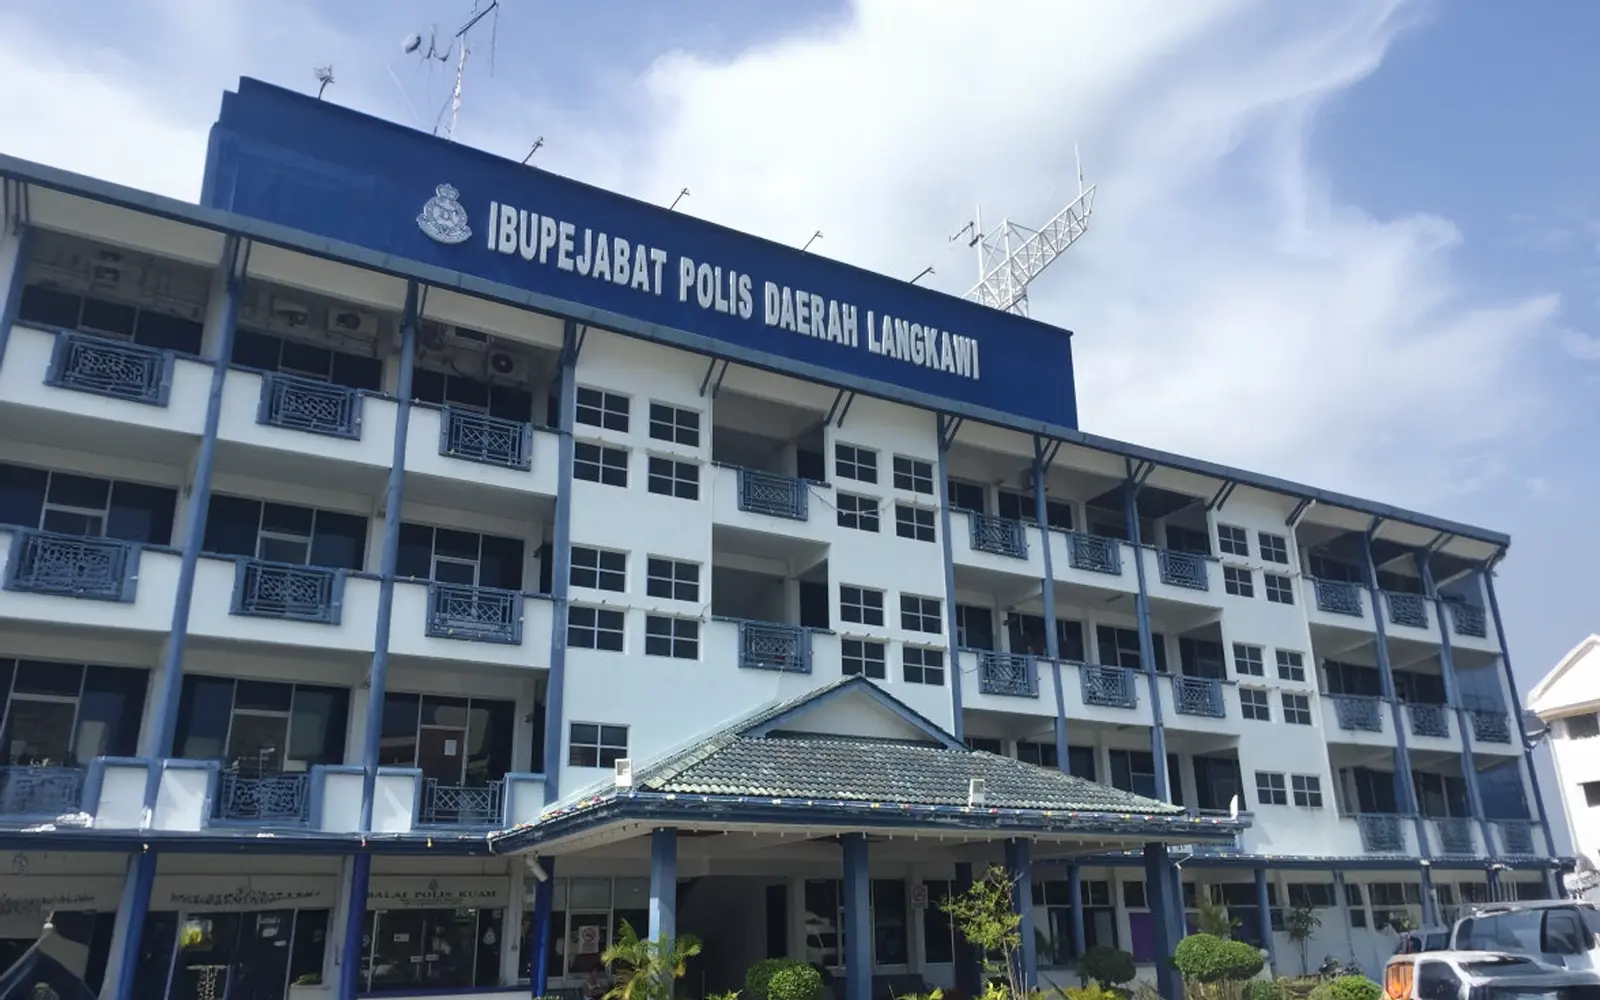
504	366
467	339
290	313
977	792
351	322
624	770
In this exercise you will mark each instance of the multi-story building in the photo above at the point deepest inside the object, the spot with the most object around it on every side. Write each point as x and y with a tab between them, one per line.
405	582
1567	702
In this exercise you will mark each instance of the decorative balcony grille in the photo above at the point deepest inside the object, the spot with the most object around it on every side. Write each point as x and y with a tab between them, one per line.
43	791
476	437
302	404
1182	569
1516	836
262	798
773	646
1359	713
1429	720
484	614
1381	834
112	368
1198	696
1095	554
1112	687
1468	620
1336	597
1002	536
1013	675
1455	836
461	805
1491	726
773	495
102	569
1410	610
279	590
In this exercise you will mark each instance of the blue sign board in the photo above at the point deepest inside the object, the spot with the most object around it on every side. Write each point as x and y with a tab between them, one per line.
285	158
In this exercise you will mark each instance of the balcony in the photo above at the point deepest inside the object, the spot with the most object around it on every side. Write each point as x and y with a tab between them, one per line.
1200	696
1516	837
477	437
113	368
773	495
1110	687
480	614
40	792
98	569
1381	833
1429	720
1012	675
461	805
297	593
1468	620
1094	554
1182	569
999	536
301	404
1455	836
1336	597
774	646
1409	610
266	798
1358	713
1490	726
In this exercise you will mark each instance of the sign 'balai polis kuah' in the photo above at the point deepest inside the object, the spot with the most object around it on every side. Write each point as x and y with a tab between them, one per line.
589	253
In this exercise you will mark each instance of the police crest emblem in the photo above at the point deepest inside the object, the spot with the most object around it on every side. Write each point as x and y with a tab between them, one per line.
443	219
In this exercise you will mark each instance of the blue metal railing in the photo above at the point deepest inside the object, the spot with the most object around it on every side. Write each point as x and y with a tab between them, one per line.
1198	696
1095	554
302	404
1490	725
280	590
1359	713
1455	835
112	368
1182	569
1002	536
40	791
773	495
774	646
1468	620
1336	597
1429	720
461	805
476	437
1012	675
1381	833
1410	610
263	798
1516	836
484	614
1113	687
103	569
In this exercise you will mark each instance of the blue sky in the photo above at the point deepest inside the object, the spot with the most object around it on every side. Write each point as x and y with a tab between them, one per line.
1356	245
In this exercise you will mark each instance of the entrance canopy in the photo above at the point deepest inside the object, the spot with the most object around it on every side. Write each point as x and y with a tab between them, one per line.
849	757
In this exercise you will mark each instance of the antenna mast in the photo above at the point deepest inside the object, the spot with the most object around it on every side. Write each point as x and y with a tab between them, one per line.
1012	256
413	44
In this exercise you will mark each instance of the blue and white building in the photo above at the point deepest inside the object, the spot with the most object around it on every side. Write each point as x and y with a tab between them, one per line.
415	563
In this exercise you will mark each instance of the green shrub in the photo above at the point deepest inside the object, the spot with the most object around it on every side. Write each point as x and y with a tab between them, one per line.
1093	991
1322	991
1298	988
1106	966
1205	958
758	977
1354	988
794	982
1263	989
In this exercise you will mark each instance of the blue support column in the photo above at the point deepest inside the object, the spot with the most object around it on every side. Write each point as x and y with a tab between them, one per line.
561	567
1158	896
1493	880
15	282
857	918
1516	711
1075	901
1019	864
1264	907
393	497
1147	649
1404	788
1180	918
1430	904
539	934
1052	642
968	963
350	984
1341	902
947	427
135	905
663	884
1452	694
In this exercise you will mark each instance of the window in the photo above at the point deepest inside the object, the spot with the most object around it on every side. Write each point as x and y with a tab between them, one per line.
860	605
463	742
597	569
583	906
913	522
919	614
1253	704
1119	647
1291	665
672	580
913	475
594	628
260	727
1297	709
1135	771
465	558
922	665
1280	590
66	713
1247	661
1233	541
678	638
864	659
938	932
858	512
674	424
1583	727
150	327
312	361
593	744
447	951
987	744
1238	581
1307	790
283	533
1020	507
1274	548
81	505
607	410
497	399
966	496
1099	918
854	462
671	478
1038	754
598	464
824	920
1311	895
1270	790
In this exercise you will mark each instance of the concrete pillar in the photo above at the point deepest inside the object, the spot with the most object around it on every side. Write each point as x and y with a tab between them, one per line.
1019	864
539	934
1264	904
1158	896
1075	900
857	918
663	884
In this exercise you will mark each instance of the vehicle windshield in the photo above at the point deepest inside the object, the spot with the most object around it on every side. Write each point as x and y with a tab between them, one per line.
1514	930
1514	992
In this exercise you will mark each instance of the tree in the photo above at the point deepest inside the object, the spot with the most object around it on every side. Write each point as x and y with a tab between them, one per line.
1302	923
986	916
645	969
1213	918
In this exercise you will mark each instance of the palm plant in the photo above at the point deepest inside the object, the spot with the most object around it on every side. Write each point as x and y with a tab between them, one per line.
645	969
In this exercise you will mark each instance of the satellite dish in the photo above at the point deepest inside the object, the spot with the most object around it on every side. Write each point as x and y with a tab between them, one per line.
1233	807
411	43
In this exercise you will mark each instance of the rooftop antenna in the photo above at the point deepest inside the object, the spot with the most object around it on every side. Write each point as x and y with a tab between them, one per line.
1013	255
459	44
922	274
324	75
536	144
814	238
681	195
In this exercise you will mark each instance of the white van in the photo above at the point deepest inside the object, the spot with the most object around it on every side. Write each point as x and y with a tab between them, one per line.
1563	933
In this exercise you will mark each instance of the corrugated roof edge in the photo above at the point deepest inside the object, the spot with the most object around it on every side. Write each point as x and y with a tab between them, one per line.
83	186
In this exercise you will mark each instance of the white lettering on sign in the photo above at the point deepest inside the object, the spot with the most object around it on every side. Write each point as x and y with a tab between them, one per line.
620	260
